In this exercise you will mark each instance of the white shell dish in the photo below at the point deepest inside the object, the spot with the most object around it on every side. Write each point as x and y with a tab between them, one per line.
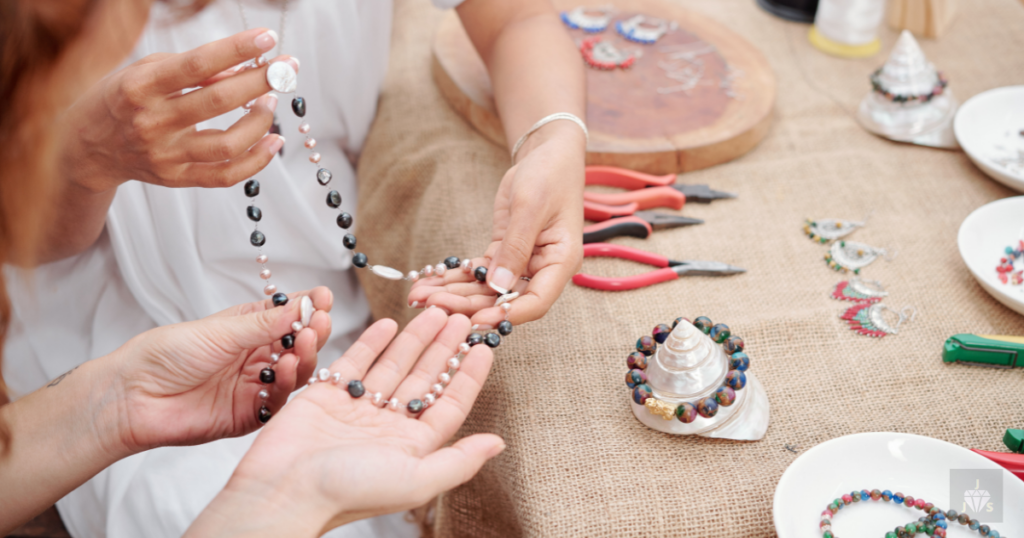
989	127
690	366
983	236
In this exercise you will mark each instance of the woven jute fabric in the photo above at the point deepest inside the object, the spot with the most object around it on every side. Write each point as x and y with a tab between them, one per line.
578	463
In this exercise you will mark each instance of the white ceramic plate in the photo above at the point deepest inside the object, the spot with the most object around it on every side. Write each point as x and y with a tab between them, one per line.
988	128
911	464
983	236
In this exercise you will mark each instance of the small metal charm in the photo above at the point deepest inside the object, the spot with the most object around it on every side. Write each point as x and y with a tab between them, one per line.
848	256
589	19
825	230
643	29
282	77
857	290
868	319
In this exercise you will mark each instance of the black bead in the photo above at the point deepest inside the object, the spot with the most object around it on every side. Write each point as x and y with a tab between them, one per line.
257	238
452	262
279	299
356	388
349	241
505	328
334	199
254	213
267	376
492	340
264	415
359	260
415	406
344	219
480	273
299	106
324	176
252	188
474	339
288	341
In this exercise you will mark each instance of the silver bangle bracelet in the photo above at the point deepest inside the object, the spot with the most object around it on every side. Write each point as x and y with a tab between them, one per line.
546	120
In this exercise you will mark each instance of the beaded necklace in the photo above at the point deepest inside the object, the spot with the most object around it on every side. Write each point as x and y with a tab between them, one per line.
933	523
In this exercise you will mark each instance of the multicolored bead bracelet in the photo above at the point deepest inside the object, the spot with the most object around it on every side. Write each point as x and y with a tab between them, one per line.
933	523
876	85
687	412
1005	270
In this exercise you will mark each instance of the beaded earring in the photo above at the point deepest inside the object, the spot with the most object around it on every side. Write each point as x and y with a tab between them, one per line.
857	290
589	19
643	29
601	54
847	256
825	230
868	319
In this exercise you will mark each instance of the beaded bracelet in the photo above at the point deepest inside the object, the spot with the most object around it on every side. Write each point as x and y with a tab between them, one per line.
934	523
876	85
687	412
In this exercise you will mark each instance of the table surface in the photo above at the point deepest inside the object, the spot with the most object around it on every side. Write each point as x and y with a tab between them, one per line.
578	463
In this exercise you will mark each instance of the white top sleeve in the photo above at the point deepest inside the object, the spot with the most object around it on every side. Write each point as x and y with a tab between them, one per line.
447	4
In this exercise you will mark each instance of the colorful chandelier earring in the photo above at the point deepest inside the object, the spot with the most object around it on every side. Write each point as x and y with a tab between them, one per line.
825	230
857	290
589	19
601	54
869	319
849	256
642	29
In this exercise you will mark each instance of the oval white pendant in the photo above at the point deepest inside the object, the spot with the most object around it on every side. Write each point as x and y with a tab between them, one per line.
387	272
282	77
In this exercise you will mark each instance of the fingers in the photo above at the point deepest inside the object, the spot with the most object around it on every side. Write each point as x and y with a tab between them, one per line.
455	465
224	96
188	69
434	361
214	145
228	173
286	380
405	350
357	359
516	249
452	408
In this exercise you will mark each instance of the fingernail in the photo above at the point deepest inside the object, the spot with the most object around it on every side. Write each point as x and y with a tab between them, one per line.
502	280
498	449
272	102
294	61
276	145
415	304
266	40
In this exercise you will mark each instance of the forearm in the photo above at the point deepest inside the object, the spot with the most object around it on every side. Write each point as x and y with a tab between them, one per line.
75	223
55	439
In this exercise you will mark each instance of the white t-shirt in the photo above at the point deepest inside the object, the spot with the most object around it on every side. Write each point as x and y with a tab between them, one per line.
173	255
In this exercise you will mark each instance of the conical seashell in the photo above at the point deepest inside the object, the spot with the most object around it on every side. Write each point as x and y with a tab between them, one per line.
907	71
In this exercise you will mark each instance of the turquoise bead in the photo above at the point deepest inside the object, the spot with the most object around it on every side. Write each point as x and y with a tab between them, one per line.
736	379
703	323
739	361
719	332
646	345
660	333
733	344
725	396
641	393
635	377
707	407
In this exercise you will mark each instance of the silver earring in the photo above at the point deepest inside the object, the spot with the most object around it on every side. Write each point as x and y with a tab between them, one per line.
868	319
857	290
849	256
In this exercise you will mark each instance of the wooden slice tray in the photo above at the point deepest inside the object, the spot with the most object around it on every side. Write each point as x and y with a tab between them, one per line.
631	124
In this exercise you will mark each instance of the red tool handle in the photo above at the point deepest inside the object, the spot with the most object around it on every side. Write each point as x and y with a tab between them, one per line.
611	176
626	283
645	198
1011	462
609	250
617	227
601	212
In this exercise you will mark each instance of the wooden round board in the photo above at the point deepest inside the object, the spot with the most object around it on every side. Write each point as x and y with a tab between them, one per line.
640	118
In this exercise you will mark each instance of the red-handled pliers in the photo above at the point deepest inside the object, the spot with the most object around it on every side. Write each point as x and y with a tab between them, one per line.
646	192
1011	462
671	269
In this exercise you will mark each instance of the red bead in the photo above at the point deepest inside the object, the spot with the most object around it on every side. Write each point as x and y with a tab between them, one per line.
940	532
919	504
847	498
875	495
908	500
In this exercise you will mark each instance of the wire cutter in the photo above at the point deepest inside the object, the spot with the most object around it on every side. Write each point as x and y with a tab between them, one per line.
671	269
641	224
646	192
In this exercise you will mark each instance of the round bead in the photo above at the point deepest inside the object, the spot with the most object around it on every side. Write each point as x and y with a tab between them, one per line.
264	415
719	332
660	333
288	341
444	378
875	495
336	378
725	396
274	357
984	530
919	504
297	326
707	407
974	524
265	274
897	498
635	377
279	299
437	389
646	345
950	514
505	328
270	289
703	323
733	344
739	361
475	339
963	519
637	360
377	398
467	265
686	413
267	376
356	388
254	213
993	534
323	175
891	534
677	320
261	259
856	496
506	307
334	199
310	143
257	238
453	363
641	393
440	269
940	532
428	271
413	276
463	348
911	528
415	406
886	495
452	262
344	221
323	374
263	394
314	157
908	501
492	340
299	106
847	498
359	260
252	188
480	273
428	400
736	379
304	128
394	404
827	534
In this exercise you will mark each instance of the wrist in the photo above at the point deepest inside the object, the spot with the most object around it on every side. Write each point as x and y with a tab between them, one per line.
252	508
565	134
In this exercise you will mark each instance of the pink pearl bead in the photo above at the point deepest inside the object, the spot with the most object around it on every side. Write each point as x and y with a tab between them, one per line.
262	258
444	378
428	271
265	274
314	158
453	363
413	276
467	265
270	289
304	128
310	143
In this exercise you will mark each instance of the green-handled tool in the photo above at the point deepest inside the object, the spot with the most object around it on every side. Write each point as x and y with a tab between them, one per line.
985	350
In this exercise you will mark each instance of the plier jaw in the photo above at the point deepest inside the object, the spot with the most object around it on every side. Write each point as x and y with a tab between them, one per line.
704	268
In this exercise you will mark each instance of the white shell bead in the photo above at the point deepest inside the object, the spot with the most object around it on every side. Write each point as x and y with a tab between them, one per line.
297	326
305	310
437	388
507	298
428	400
266	274
444	378
324	374
387	272
262	258
270	289
453	363
282	77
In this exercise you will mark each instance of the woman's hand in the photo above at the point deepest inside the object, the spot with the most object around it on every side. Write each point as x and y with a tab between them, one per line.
327	459
537	233
196	382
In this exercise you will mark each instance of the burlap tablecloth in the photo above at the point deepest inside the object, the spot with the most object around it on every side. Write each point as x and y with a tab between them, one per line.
578	463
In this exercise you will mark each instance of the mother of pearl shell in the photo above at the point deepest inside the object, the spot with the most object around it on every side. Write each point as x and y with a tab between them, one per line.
282	77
